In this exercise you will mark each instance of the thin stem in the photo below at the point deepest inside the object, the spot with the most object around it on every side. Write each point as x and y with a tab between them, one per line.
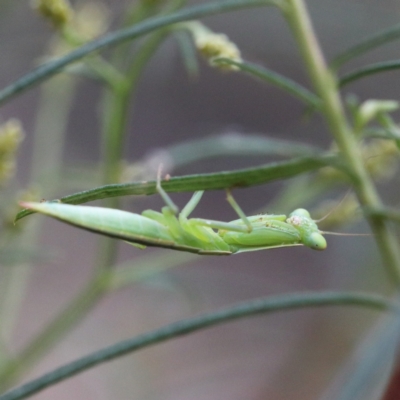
325	86
119	99
273	78
368	44
392	214
368	70
241	310
52	115
51	68
119	102
114	134
211	181
106	281
52	333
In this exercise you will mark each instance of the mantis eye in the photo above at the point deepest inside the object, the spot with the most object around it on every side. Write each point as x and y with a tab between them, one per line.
315	241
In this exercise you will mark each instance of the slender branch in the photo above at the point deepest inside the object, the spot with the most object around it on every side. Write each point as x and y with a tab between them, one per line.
213	181
55	330
388	213
366	45
369	70
326	88
51	68
241	310
273	78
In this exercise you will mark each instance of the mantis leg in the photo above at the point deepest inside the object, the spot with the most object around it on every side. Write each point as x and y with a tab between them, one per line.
247	227
238	210
191	205
227	226
168	201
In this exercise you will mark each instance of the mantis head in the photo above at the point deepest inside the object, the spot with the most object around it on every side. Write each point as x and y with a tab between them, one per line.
308	229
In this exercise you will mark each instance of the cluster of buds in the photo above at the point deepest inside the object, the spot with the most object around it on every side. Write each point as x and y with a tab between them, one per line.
11	135
59	12
213	45
85	23
380	159
372	110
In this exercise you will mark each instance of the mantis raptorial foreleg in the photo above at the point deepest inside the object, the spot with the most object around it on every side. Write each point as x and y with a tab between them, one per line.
238	210
171	208
168	201
190	206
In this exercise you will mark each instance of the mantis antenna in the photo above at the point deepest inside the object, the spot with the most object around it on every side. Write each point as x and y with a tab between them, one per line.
334	208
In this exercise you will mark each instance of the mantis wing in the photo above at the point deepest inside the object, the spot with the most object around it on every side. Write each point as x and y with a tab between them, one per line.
119	224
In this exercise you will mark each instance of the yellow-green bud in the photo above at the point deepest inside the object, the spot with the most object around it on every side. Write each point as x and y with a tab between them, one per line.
371	109
11	135
380	158
59	12
214	45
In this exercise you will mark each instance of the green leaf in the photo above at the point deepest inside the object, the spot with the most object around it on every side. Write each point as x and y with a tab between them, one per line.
273	78
385	213
383	133
184	327
368	70
366	373
366	45
188	53
51	68
231	144
214	181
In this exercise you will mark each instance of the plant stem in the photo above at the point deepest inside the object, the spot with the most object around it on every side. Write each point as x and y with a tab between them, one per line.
326	87
119	102
117	107
45	71
52	114
52	333
241	310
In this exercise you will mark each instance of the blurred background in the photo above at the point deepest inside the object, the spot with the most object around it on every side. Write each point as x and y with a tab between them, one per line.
291	355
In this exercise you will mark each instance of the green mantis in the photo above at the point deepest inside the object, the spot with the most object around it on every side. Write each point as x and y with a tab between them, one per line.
179	232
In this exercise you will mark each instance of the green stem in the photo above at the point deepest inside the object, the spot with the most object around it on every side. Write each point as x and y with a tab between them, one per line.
326	87
119	101
89	296
114	135
174	330
52	115
273	78
366	45
47	70
57	328
211	181
368	70
106	281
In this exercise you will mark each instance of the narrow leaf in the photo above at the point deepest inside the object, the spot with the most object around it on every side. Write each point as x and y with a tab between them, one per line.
365	375
368	70
273	78
214	181
51	68
188	54
366	45
230	144
184	327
